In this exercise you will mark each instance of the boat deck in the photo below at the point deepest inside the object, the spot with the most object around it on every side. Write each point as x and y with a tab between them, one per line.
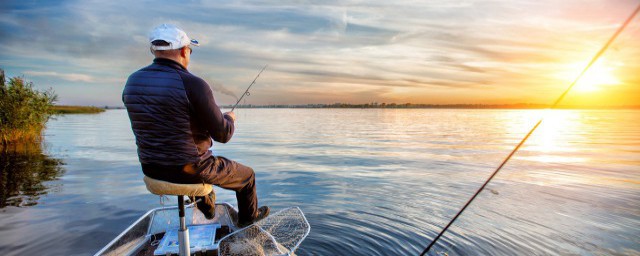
144	235
150	246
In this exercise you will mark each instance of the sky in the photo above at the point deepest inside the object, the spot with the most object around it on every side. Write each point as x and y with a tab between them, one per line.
323	52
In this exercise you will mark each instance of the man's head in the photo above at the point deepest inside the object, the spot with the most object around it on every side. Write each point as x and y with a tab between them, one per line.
170	42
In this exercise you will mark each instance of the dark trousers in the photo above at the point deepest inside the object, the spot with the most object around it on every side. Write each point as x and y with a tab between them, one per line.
229	174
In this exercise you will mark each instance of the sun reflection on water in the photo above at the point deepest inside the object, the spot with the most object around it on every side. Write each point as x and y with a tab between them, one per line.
552	139
564	139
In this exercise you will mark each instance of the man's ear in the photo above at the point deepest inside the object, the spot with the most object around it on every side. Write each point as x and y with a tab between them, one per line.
184	51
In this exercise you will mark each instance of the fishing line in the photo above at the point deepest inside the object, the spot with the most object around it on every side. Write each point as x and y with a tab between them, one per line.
555	104
246	92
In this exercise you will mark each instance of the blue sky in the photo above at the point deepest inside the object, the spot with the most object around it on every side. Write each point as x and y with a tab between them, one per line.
500	51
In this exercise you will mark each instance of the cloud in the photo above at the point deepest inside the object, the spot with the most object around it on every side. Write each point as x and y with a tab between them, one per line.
69	77
218	87
387	49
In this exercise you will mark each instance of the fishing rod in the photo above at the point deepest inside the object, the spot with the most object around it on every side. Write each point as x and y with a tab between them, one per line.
246	92
593	60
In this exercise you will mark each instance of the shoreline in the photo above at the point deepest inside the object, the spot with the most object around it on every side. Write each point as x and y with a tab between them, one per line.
433	106
66	109
405	106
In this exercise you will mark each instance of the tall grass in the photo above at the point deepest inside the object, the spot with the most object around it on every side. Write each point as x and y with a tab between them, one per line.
59	109
24	111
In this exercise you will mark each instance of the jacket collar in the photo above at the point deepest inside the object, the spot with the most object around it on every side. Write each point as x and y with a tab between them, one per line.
168	62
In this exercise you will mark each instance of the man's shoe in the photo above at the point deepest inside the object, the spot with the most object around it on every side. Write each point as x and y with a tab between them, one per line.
207	205
263	212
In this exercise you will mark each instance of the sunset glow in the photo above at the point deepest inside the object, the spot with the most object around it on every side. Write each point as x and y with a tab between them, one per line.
423	52
597	78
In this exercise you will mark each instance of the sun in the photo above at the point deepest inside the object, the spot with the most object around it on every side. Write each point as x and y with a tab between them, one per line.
599	75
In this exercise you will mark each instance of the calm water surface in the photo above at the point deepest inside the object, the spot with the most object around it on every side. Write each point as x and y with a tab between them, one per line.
371	182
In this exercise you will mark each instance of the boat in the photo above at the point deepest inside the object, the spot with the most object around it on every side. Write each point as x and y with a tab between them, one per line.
279	234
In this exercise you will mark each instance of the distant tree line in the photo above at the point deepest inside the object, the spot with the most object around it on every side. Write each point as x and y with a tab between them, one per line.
412	105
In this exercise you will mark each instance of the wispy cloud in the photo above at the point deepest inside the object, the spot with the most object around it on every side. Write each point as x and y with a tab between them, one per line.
219	87
69	77
421	51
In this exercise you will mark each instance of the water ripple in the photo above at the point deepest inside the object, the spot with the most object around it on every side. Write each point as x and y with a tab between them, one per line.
372	182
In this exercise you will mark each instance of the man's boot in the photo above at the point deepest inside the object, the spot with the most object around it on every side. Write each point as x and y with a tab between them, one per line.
263	212
207	205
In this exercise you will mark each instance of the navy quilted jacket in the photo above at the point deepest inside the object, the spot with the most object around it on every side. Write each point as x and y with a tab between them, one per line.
173	115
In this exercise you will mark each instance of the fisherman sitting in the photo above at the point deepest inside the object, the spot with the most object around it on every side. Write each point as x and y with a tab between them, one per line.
174	118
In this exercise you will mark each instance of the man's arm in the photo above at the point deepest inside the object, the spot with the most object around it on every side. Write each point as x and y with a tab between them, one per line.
220	126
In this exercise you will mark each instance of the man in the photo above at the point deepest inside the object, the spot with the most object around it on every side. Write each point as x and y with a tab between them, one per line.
174	119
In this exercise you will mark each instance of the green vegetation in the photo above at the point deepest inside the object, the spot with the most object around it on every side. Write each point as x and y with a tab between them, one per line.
24	111
77	110
24	168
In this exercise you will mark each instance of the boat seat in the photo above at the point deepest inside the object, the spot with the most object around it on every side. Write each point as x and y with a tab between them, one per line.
160	187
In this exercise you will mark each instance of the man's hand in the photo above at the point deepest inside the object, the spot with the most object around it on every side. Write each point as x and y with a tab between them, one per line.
232	115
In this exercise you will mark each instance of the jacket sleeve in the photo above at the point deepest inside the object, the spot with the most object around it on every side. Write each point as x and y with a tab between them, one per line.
206	110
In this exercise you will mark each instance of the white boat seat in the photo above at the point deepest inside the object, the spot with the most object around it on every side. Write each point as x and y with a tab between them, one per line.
160	187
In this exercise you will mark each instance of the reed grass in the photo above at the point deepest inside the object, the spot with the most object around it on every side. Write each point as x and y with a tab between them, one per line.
61	109
24	111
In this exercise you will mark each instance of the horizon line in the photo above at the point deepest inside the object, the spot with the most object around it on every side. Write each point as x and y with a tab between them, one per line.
410	105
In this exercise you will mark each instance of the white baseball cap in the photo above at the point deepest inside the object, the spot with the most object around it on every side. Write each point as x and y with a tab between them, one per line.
172	35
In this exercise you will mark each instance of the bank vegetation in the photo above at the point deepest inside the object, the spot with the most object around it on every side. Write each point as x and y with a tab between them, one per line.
24	111
61	109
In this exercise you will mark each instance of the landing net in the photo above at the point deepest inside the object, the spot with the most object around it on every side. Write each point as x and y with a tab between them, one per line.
279	234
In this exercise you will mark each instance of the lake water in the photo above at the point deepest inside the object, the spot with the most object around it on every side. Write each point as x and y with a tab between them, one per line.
370	181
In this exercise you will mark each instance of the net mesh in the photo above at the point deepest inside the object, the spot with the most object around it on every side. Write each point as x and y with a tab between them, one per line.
279	234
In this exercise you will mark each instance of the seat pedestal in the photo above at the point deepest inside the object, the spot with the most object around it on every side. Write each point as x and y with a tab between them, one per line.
183	232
